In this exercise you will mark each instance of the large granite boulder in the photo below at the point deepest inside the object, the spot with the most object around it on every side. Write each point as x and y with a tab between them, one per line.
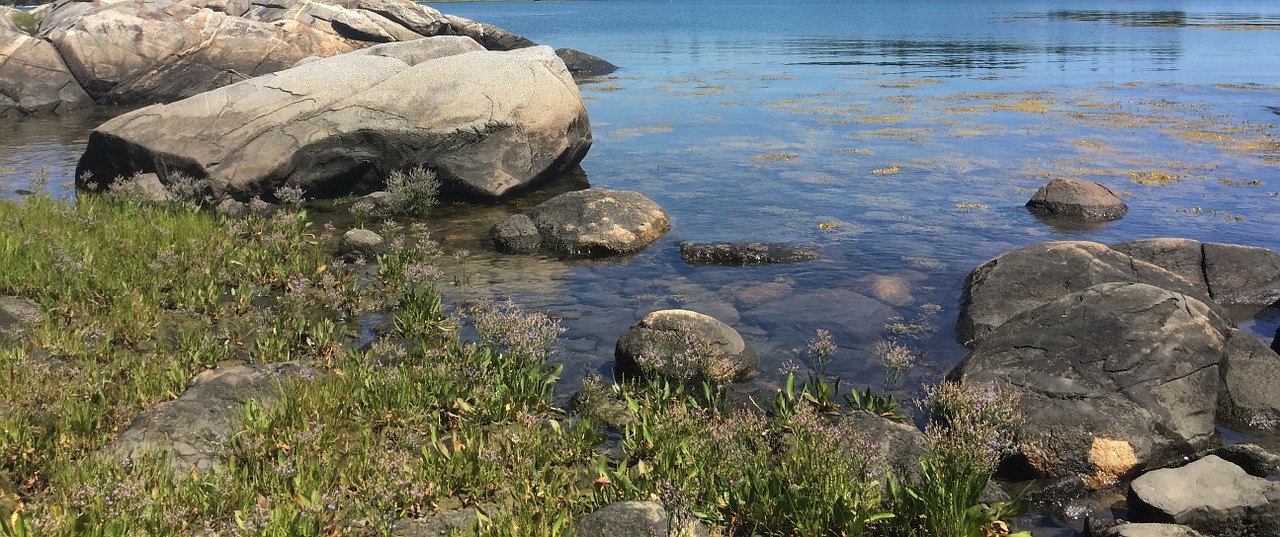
1211	496
1075	198
1231	274
1113	379
1026	278
683	345
33	77
596	222
160	51
485	122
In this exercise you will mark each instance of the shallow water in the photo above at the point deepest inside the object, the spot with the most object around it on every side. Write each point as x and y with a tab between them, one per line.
899	138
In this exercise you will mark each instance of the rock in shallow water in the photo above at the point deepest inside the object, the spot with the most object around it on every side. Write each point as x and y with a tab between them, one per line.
1084	200
596	222
669	343
485	122
741	254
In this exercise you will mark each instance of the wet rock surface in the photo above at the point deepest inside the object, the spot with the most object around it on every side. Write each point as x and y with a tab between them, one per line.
740	254
1085	200
596	222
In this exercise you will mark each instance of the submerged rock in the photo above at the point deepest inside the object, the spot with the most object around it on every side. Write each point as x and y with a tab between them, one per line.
485	122
1211	496
740	254
596	222
1083	200
1113	379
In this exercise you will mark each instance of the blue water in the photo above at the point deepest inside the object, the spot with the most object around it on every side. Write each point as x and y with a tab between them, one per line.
900	138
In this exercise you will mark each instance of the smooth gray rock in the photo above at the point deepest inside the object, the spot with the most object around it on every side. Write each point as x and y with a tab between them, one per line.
1075	198
1250	393
1184	257
1149	530
421	50
443	524
741	254
1113	379
196	424
485	122
1211	496
33	77
1026	278
160	51
599	222
361	244
663	340
17	315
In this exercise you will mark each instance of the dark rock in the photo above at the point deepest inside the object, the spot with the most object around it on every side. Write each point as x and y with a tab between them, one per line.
635	519
485	122
1211	496
1113	379
669	340
197	423
361	244
741	254
489	36
1147	530
1184	257
33	77
599	222
1085	200
1250	392
582	64
1230	273
516	234
1242	274
1252	458
1026	278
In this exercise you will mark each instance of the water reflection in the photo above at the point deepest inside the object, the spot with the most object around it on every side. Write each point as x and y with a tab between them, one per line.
1168	19
968	55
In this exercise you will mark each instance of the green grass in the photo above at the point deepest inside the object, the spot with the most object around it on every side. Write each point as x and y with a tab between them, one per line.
136	299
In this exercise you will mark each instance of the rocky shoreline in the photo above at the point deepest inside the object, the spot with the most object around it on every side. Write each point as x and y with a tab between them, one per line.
1125	357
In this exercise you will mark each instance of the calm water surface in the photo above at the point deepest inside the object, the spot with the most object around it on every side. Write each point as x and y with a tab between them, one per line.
899	138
